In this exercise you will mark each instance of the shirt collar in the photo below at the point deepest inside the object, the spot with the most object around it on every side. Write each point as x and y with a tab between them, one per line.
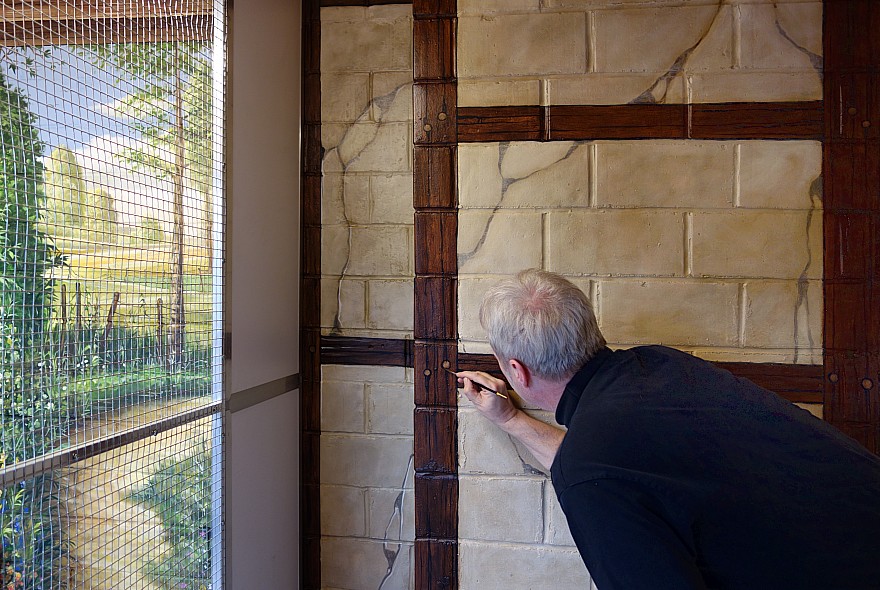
571	397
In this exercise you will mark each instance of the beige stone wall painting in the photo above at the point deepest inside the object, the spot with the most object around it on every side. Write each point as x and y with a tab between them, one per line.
712	247
367	501
513	534
724	238
367	214
638	51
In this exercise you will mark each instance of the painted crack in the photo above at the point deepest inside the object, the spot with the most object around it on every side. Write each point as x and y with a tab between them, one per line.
391	547
506	183
382	104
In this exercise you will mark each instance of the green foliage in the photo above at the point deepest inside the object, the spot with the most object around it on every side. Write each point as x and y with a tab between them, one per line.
50	381
33	550
26	58
73	209
35	410
180	492
150	231
64	212
25	252
105	220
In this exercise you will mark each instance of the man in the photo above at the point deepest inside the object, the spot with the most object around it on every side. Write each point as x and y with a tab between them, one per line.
674	473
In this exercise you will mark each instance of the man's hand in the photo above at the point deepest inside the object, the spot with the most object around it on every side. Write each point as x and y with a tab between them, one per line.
499	410
541	439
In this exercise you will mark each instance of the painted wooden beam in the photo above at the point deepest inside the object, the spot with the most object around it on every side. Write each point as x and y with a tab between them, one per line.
769	120
310	301
435	419
851	211
796	383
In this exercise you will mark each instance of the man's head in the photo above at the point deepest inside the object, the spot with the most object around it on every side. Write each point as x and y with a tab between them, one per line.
543	321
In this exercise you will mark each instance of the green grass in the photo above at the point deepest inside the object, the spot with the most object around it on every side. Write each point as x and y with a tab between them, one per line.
95	393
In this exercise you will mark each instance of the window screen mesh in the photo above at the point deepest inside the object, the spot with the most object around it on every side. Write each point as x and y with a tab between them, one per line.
111	232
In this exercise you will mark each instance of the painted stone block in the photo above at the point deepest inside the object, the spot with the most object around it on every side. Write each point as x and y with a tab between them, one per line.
669	312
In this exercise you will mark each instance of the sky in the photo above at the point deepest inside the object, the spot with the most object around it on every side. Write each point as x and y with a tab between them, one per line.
76	106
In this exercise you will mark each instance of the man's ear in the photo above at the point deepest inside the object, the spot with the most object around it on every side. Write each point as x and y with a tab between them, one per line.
520	372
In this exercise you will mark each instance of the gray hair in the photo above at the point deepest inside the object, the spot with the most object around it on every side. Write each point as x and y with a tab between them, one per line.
542	320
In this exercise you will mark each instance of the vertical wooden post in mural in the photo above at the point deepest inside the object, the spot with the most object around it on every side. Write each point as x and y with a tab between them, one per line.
310	301
436	271
852	218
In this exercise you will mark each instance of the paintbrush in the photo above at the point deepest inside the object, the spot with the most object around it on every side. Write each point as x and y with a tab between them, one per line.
480	385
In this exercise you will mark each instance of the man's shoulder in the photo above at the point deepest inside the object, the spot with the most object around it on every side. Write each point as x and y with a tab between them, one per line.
660	352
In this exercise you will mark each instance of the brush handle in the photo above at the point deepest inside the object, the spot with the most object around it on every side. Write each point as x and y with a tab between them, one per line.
481	386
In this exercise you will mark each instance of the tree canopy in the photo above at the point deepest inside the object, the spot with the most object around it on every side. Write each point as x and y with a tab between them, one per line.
25	251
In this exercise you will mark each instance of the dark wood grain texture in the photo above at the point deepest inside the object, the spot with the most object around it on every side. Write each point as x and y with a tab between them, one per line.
436	506
846	316
434	385
643	121
350	350
773	120
850	39
434	121
440	561
311	87
481	124
851	193
436	233
361	2
434	8
434	49
435	185
728	121
311	254
310	301
436	312
796	383
436	450
311	200
848	237
435	417
310	296
310	553
313	151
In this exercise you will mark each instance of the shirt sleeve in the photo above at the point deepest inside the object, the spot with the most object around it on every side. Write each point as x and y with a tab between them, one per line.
625	541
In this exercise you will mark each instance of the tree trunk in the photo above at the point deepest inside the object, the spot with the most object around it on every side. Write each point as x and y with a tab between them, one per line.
178	314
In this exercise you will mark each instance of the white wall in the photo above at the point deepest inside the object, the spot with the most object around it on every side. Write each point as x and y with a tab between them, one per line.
262	459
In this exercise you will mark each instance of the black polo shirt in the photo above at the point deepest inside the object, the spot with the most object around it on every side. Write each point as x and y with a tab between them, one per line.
677	474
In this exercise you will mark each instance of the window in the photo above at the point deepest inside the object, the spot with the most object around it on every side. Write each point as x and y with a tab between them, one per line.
111	226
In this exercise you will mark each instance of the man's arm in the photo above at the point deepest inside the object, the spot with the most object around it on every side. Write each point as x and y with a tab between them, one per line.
540	438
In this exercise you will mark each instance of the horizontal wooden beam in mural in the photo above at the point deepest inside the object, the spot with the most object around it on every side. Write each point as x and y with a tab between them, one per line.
360	2
796	383
379	352
761	120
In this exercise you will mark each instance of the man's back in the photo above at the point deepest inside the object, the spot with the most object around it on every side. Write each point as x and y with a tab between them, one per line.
691	477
